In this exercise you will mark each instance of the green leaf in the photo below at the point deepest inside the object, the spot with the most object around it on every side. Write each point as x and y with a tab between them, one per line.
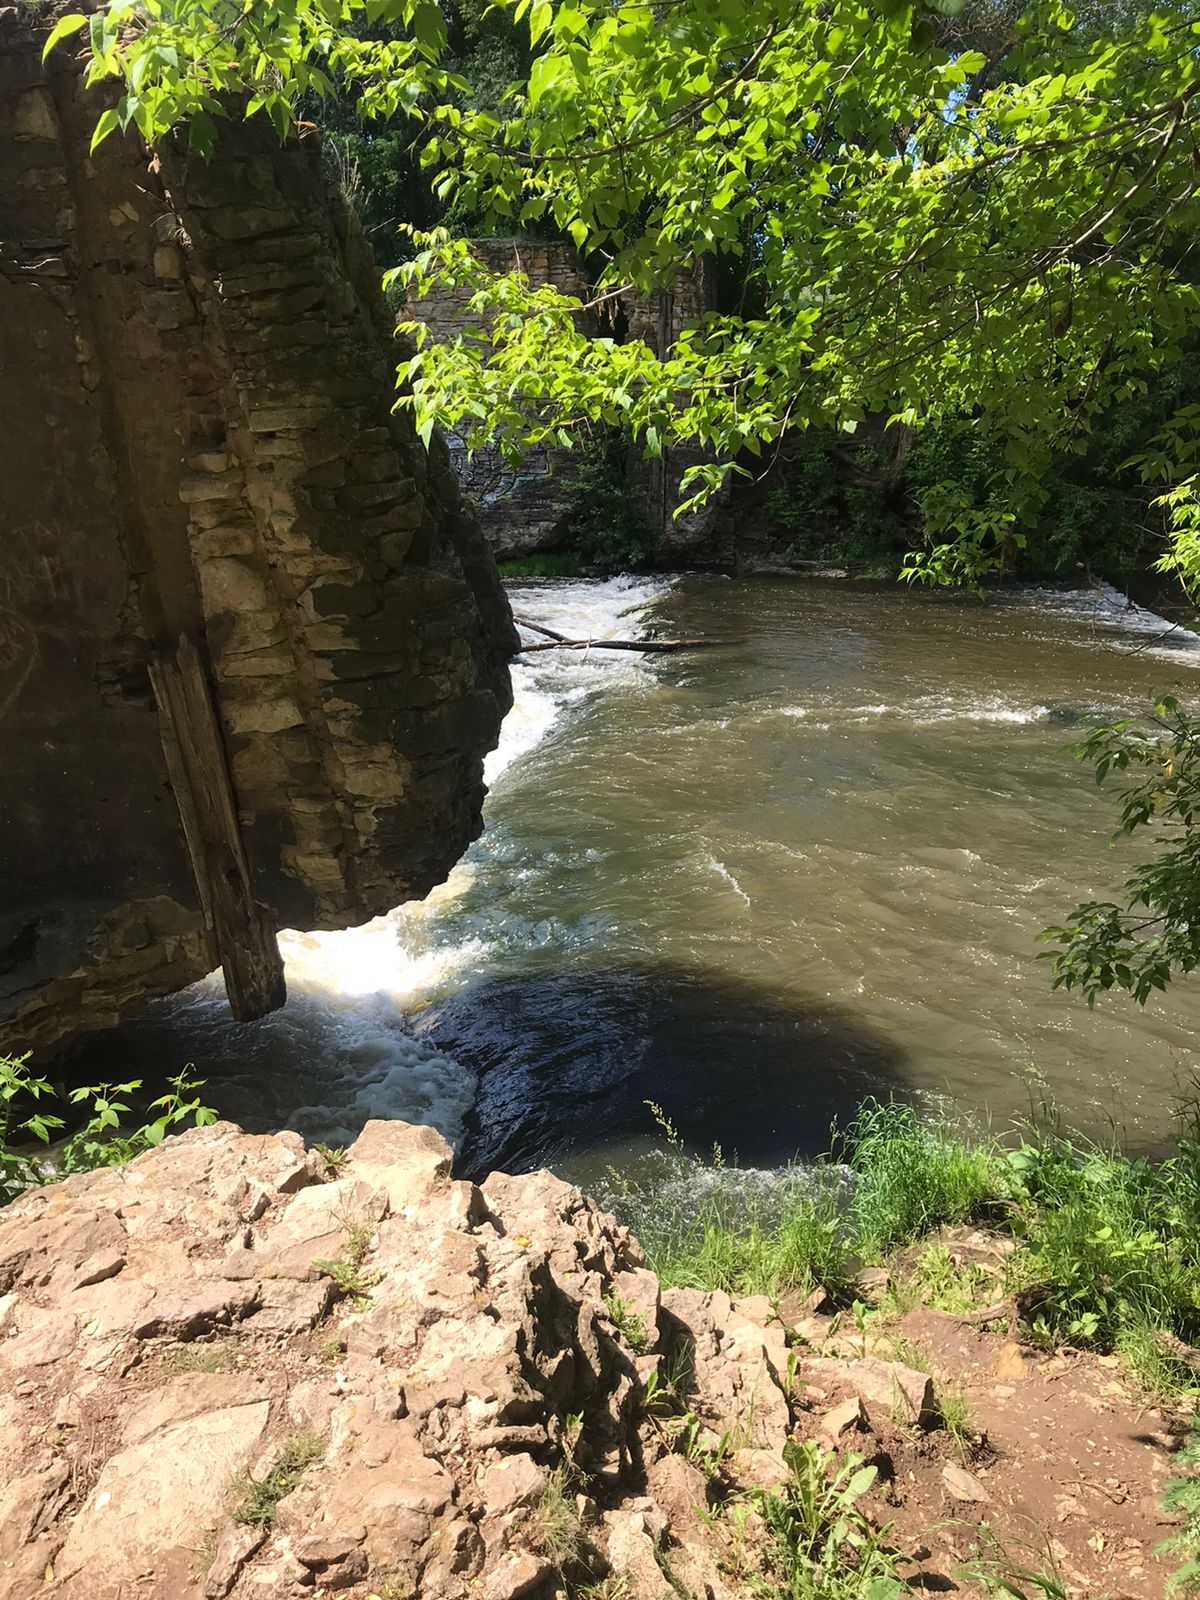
202	134
547	71
860	1482
108	122
65	28
540	17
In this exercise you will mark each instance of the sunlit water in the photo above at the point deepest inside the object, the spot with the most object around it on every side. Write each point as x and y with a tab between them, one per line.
749	884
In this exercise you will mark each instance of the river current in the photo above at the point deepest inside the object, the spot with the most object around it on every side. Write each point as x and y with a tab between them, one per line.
750	885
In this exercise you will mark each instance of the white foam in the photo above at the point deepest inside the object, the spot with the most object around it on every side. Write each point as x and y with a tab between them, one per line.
722	871
924	711
1106	608
547	683
350	992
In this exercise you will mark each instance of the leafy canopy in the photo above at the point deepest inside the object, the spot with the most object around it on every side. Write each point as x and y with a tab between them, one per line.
926	229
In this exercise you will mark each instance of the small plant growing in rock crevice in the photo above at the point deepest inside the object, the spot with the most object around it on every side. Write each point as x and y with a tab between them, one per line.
333	1158
555	1526
198	1358
347	1269
260	1497
628	1324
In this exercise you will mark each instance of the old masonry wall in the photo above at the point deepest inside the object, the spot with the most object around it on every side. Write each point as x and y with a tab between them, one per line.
253	648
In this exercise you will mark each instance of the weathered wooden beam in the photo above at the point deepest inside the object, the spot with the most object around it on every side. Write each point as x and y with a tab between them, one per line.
243	931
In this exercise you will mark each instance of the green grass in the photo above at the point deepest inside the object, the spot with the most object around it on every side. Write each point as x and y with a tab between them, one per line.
1103	1252
958	1420
555	1526
199	1358
260	1497
914	1176
793	1250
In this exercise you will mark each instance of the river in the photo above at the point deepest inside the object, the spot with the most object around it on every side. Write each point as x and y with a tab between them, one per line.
750	884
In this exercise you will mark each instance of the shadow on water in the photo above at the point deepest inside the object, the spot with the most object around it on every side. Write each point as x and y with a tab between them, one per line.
559	1065
567	1061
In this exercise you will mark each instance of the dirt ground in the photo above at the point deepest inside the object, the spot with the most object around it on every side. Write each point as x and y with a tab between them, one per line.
1060	1470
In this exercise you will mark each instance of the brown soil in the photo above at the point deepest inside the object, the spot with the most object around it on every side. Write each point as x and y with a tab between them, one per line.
1072	1462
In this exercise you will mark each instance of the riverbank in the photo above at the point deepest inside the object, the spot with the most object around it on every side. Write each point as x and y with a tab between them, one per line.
235	1367
1085	1245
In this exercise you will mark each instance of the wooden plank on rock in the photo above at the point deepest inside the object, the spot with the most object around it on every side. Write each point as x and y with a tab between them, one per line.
243	931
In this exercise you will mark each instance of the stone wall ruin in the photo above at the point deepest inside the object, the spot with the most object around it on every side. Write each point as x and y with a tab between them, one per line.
525	510
253	647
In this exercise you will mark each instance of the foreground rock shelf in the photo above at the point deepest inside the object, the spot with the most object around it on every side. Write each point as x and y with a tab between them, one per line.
169	1327
237	1367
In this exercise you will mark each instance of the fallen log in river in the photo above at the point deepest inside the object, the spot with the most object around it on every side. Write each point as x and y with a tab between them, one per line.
559	641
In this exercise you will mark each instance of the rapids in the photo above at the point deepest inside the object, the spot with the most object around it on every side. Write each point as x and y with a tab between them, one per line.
749	884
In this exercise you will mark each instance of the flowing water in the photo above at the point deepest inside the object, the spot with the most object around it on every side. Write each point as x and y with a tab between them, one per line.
749	884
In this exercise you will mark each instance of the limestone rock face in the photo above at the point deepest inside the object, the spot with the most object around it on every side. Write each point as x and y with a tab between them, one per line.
252	645
448	1365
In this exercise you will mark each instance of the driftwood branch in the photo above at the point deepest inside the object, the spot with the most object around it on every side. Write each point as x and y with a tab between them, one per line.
546	633
559	641
649	645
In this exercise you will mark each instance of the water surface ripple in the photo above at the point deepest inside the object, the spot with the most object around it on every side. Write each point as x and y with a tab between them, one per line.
749	884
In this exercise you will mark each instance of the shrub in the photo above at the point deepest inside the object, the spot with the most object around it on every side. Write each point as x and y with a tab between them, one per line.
98	1142
1182	1498
1109	1243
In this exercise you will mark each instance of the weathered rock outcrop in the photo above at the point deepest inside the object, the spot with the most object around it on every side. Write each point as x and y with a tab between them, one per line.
239	1368
457	1375
252	645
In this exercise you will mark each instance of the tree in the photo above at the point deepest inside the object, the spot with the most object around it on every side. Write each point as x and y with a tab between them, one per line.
929	233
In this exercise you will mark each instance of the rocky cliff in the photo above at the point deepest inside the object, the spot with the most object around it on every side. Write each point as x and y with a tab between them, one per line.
252	645
230	1370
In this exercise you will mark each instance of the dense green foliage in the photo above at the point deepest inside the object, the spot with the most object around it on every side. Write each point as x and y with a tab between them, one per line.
1105	1248
378	159
837	501
99	1140
606	529
941	223
1155	936
1182	1499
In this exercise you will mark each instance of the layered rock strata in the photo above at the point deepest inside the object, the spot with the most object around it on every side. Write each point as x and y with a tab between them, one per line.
252	645
228	1369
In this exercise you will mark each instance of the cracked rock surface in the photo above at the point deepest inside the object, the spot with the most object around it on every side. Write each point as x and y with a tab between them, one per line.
447	1361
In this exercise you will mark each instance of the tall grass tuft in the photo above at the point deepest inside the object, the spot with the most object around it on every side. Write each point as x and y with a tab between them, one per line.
801	1243
913	1176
